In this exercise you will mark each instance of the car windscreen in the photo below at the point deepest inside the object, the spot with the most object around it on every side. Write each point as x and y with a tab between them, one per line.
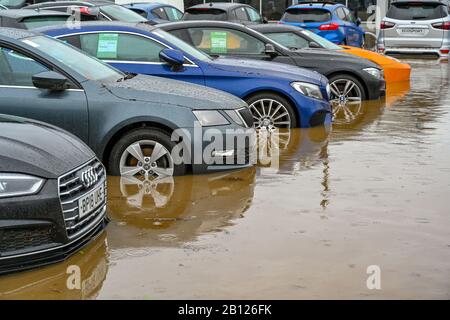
321	40
305	15
89	67
42	21
120	13
205	14
416	11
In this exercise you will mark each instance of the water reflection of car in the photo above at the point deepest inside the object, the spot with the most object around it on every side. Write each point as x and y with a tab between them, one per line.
51	282
155	12
52	194
173	211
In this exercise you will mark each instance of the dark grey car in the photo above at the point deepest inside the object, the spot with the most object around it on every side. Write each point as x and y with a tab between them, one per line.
127	120
52	194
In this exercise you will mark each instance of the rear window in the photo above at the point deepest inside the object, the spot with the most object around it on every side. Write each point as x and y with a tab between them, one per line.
42	21
205	14
121	14
416	11
305	15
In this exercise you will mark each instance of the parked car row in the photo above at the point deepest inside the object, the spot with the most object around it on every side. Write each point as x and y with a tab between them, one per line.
127	92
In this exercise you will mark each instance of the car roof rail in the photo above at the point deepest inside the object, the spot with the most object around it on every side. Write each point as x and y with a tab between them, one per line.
323	2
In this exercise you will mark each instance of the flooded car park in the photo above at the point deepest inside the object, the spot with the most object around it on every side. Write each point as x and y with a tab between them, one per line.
373	190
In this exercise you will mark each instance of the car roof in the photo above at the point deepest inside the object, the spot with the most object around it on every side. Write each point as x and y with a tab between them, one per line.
445	2
272	27
15	34
225	6
102	25
90	3
26	13
146	5
317	5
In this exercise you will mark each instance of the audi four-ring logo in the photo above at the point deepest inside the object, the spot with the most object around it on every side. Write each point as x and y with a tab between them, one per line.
88	177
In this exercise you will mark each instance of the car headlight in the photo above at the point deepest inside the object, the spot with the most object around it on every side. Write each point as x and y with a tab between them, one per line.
308	89
234	115
210	118
16	184
374	72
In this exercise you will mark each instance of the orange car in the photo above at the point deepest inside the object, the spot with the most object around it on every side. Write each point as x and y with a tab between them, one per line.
394	70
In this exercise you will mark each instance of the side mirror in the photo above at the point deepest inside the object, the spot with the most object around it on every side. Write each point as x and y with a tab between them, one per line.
50	80
314	45
358	22
175	58
265	20
270	50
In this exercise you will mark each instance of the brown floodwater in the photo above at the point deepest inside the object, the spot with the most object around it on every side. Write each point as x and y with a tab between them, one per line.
372	190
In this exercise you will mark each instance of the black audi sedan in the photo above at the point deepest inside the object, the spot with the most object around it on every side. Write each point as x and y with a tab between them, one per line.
52	194
352	78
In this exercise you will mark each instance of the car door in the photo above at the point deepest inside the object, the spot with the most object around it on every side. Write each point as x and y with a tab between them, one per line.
227	42
354	34
18	96
134	53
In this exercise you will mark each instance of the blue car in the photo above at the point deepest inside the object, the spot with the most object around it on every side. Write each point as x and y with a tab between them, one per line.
331	20
279	95
156	12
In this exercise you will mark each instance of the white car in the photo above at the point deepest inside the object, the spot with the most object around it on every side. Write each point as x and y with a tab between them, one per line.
416	27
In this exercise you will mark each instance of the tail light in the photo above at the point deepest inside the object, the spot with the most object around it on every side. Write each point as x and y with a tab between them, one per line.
84	10
329	26
386	25
444	51
280	22
442	25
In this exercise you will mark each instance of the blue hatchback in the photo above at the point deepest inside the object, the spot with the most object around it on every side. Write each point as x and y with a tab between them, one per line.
278	95
156	12
331	20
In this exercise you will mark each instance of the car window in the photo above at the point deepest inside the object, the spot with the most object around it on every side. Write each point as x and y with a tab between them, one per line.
17	69
320	40
306	15
416	11
118	46
85	65
253	14
160	13
289	39
241	14
349	15
225	41
208	14
120	13
140	12
340	13
42	21
173	14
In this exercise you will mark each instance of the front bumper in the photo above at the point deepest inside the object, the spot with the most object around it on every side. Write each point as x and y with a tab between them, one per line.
34	230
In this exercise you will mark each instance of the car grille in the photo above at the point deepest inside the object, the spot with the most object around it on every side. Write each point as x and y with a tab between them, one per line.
71	189
26	238
247	116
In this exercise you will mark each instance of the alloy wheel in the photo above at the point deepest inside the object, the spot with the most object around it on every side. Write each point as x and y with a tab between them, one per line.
147	158
270	114
346	100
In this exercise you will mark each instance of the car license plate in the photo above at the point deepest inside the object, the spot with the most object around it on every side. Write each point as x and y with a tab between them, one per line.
413	31
91	201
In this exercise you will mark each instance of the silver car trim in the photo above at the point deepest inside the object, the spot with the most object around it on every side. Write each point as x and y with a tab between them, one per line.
32	87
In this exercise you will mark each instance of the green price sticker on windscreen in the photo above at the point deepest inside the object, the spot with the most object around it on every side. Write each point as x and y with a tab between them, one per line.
107	45
219	42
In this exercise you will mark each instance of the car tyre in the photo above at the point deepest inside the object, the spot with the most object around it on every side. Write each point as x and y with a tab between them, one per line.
145	152
272	111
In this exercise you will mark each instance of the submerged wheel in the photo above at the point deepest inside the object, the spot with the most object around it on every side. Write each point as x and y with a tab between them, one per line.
347	94
144	152
272	111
